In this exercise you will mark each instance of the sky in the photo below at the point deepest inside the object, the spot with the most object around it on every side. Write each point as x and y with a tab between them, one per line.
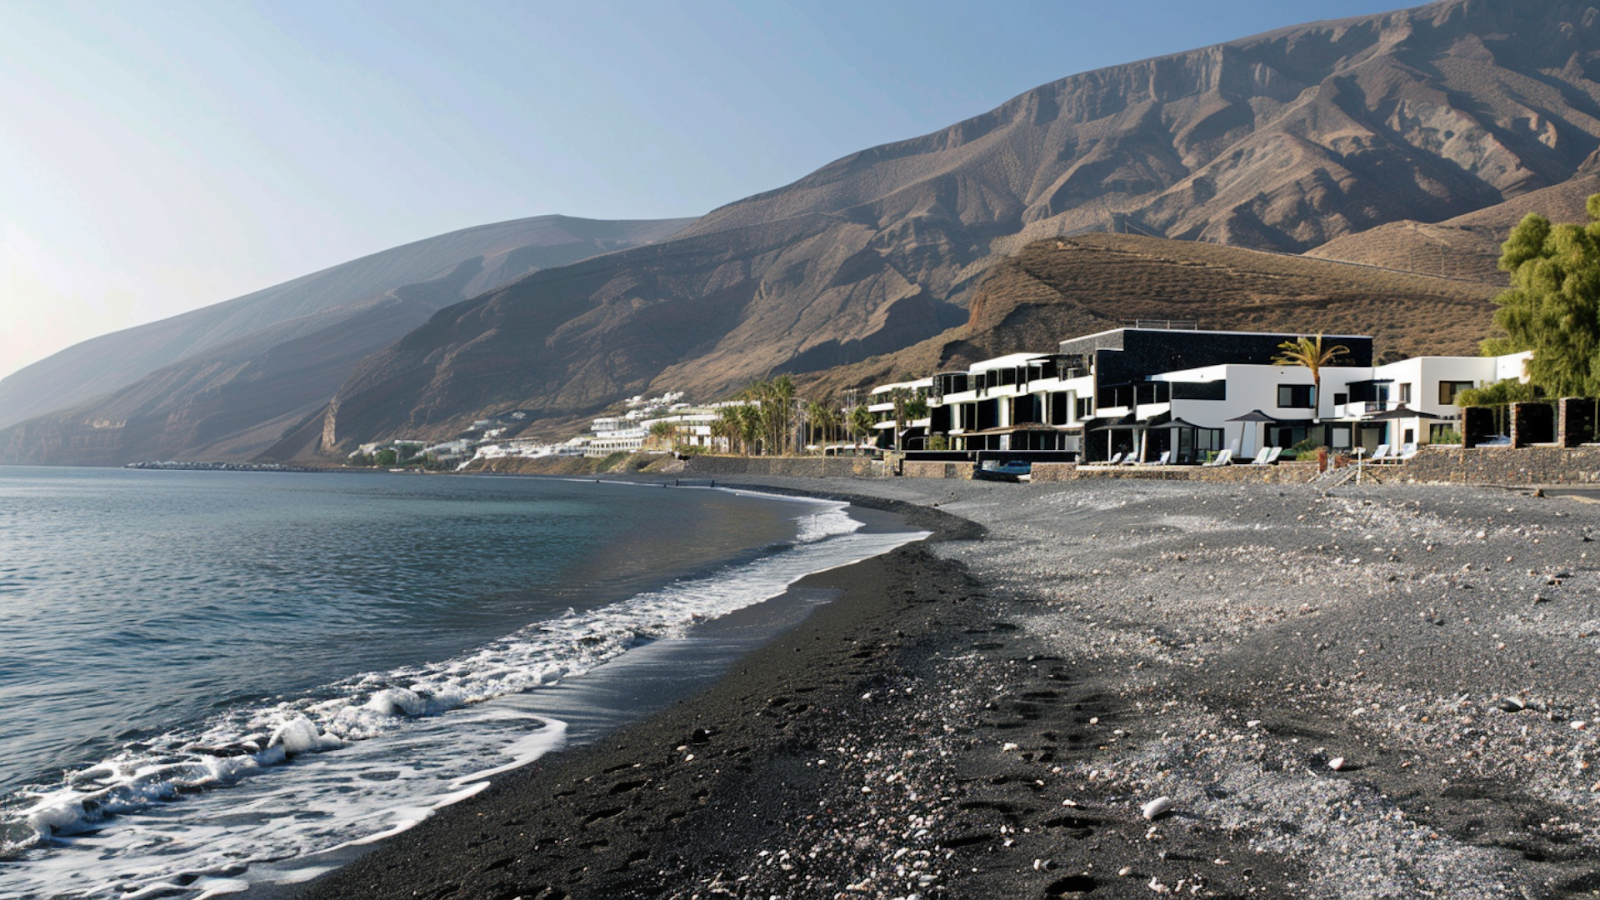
164	155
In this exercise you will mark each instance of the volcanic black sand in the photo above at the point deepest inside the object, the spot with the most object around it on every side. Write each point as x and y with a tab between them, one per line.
1383	692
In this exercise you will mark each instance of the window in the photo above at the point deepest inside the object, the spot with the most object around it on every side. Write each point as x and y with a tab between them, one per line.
1405	392
1449	389
1208	438
1200	390
1341	399
1341	437
1085	408
1294	396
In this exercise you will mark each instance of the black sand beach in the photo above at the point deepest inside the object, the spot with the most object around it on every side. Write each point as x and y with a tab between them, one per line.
1385	692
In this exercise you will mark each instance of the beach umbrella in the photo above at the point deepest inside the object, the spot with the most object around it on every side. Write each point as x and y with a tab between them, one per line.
1400	412
1175	423
1253	416
1125	422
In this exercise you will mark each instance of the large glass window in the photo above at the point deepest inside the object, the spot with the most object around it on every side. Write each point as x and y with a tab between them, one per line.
1294	396
1449	389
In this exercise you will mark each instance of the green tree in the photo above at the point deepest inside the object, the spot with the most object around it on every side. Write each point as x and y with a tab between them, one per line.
860	422
750	420
1553	306
821	420
1499	397
1309	352
726	427
663	433
781	396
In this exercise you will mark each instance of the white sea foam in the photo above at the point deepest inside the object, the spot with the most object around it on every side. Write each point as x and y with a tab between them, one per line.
190	812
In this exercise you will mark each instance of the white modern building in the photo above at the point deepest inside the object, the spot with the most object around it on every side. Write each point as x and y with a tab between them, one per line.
1145	392
881	403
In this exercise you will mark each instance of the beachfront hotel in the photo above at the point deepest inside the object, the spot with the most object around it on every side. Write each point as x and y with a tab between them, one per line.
1182	395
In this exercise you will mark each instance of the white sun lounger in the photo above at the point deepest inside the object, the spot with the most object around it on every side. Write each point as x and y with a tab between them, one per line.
1224	458
1267	456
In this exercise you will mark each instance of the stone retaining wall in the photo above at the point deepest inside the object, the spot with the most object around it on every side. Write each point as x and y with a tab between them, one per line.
959	470
792	467
1500	465
1478	465
1043	472
1282	473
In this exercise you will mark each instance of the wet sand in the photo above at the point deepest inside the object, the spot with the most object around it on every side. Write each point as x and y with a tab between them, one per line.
987	713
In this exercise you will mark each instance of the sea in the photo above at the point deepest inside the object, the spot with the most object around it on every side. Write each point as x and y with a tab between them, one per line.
218	681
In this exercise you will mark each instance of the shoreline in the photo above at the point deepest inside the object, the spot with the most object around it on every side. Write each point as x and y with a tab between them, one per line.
1384	692
593	809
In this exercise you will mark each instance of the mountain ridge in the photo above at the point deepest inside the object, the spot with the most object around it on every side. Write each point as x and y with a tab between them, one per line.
226	381
510	249
1280	141
1284	141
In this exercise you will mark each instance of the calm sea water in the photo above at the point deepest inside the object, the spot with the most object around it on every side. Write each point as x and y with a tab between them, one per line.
201	672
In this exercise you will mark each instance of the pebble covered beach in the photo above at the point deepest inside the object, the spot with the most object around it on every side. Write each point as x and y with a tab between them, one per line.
1118	689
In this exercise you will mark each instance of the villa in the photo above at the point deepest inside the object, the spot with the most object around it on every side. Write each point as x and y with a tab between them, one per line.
1182	395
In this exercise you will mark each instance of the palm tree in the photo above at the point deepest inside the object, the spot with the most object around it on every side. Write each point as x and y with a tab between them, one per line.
782	395
820	419
749	425
726	426
860	421
1309	352
755	415
663	433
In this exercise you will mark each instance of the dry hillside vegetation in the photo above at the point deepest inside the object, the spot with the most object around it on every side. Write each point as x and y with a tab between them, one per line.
1466	247
1065	287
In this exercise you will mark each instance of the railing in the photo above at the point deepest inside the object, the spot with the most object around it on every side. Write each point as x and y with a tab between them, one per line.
1164	324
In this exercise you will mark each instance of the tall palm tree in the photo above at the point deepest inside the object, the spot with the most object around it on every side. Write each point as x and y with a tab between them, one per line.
757	413
1309	352
749	426
860	422
781	392
727	426
819	419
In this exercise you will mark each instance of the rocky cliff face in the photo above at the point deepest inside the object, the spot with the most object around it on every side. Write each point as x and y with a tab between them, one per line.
1282	141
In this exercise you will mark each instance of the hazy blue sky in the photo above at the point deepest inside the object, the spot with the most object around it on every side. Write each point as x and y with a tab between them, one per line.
158	156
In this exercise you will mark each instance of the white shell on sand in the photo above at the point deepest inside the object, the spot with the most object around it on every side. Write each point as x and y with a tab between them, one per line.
1156	807
1336	763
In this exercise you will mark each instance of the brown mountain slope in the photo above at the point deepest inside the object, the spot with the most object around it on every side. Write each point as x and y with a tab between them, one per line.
1055	289
226	381
506	251
1280	141
1463	247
